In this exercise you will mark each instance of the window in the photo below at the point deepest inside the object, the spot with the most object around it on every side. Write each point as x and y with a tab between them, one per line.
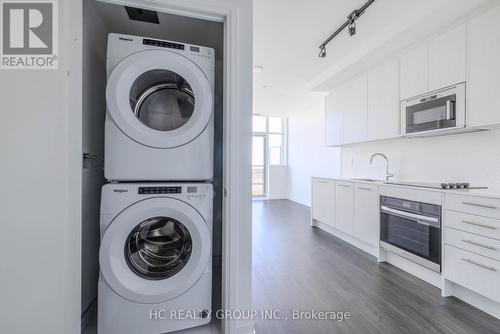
259	124
274	129
269	149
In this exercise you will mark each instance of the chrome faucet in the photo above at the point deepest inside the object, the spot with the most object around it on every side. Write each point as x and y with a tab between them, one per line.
387	174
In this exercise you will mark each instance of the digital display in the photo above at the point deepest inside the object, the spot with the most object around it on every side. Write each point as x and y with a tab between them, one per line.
160	190
192	190
163	44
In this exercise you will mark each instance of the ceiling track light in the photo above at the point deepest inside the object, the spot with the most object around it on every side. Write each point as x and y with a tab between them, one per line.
350	24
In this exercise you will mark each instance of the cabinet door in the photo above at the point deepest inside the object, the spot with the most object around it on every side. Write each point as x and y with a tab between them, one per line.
355	94
413	67
323	197
383	101
333	119
366	213
344	207
484	69
447	59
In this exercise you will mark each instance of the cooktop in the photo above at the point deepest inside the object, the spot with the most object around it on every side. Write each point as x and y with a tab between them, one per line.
444	185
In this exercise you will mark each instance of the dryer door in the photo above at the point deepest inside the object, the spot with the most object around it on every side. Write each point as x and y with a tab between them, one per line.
155	250
159	98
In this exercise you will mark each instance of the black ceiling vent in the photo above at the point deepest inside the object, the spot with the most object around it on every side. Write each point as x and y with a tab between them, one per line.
144	15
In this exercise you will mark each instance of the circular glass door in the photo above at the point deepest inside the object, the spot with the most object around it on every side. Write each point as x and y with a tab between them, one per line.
159	98
158	248
155	250
162	100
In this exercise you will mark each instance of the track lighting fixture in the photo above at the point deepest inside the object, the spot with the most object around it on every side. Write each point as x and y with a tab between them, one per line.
322	52
350	24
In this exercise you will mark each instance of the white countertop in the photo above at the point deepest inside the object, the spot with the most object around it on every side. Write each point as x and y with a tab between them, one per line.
490	193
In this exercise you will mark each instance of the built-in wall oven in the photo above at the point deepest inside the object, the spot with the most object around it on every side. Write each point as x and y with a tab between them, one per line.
441	110
412	230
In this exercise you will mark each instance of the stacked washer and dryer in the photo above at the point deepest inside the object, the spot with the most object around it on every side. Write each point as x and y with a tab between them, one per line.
156	212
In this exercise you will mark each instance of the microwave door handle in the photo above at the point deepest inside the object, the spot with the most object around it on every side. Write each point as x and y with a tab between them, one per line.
450	109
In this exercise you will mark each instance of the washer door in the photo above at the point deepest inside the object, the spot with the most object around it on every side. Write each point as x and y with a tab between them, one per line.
155	250
159	98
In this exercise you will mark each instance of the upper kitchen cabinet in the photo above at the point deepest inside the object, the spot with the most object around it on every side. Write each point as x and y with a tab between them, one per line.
447	59
383	101
434	65
355	110
413	72
484	69
334	128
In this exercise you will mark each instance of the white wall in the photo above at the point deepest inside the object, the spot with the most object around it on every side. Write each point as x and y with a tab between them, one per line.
307	154
40	170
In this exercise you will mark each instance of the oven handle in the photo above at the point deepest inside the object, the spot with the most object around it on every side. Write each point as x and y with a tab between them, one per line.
413	216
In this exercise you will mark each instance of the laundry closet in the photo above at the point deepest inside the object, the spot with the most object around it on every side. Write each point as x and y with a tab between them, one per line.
153	116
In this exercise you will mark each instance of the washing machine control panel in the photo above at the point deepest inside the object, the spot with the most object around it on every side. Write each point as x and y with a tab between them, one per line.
159	190
163	44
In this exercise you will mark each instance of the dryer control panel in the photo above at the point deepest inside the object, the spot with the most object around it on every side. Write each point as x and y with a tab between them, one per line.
163	44
160	190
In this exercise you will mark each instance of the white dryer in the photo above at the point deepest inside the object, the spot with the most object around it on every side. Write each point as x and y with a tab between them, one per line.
155	257
160	101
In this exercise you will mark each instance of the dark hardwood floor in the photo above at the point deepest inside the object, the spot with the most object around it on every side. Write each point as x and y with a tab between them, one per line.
297	267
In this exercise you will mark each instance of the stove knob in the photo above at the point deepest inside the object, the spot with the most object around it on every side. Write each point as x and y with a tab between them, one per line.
445	186
452	185
466	185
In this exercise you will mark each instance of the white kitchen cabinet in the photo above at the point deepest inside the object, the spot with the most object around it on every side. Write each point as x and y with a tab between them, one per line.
366	213
383	101
344	207
322	203
447	59
475	272
334	118
483	84
414	72
355	109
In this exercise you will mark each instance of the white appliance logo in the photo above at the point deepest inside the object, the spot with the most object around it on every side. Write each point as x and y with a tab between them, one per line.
29	34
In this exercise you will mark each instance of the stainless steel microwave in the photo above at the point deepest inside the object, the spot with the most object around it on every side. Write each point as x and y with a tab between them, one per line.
441	110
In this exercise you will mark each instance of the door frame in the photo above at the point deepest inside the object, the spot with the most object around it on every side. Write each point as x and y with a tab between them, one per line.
237	17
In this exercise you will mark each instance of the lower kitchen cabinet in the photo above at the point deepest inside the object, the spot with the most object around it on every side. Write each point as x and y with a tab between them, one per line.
366	213
475	272
344	207
322	202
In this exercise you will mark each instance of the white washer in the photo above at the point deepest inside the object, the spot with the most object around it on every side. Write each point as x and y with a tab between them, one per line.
155	257
160	101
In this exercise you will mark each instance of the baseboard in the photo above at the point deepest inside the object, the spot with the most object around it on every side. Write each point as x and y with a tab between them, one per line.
412	268
281	196
470	297
298	202
347	238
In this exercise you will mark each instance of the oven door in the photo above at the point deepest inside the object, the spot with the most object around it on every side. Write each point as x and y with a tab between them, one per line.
418	236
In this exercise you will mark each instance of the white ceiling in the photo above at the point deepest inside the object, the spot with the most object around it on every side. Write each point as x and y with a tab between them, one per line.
287	35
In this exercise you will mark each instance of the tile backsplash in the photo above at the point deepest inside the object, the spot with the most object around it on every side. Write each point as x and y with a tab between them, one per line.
470	157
